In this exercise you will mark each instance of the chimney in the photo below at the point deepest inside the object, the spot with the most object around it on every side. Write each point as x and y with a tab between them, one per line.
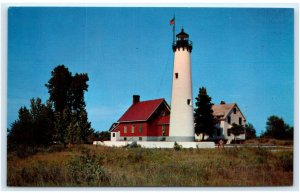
135	99
222	103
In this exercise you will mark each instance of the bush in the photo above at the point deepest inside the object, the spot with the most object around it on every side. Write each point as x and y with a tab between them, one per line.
177	147
87	169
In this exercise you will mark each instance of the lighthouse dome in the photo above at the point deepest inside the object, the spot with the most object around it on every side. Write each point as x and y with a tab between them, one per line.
182	35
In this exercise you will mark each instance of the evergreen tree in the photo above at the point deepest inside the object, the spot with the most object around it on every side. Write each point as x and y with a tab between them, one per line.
250	131
42	121
73	131
34	126
276	128
67	94
85	126
204	120
62	119
78	86
289	132
20	133
59	88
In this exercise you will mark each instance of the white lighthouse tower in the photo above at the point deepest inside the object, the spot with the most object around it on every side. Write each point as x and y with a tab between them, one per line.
182	120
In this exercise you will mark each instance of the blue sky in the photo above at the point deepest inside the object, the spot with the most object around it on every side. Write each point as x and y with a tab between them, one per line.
240	55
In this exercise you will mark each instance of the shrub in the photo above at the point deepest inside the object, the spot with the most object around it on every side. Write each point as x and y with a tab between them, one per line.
177	147
87	169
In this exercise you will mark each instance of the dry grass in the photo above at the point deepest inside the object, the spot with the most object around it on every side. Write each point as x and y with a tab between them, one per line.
105	166
268	141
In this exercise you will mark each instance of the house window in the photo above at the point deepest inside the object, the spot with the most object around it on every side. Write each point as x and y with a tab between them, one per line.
234	110
163	130
125	129
189	101
176	75
132	129
125	138
114	134
240	121
141	128
140	138
229	119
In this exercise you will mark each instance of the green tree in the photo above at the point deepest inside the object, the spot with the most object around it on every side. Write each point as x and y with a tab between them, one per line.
250	131
78	86
42	121
277	128
85	126
33	127
289	132
104	136
67	94
20	133
59	88
73	131
203	114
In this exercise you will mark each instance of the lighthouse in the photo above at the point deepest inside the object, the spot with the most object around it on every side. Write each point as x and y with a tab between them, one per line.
182	120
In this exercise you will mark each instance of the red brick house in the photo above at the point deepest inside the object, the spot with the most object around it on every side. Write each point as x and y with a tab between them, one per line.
143	121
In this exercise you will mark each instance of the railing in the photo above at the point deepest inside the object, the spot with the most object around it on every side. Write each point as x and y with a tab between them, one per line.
182	44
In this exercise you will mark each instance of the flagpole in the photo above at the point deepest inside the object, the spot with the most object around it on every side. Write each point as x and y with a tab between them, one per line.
174	30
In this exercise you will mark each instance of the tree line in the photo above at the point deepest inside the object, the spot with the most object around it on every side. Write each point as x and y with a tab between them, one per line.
61	119
205	122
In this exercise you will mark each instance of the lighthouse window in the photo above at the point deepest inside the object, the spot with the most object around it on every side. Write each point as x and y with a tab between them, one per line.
176	75
189	101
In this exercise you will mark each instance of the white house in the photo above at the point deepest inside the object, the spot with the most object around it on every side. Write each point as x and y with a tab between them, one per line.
227	115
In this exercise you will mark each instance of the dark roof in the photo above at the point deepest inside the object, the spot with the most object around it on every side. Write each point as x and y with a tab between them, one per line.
141	111
182	34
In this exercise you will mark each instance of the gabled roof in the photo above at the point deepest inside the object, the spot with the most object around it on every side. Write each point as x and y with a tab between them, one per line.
222	110
141	111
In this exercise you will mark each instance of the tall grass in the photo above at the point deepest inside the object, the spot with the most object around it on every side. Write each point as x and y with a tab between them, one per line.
106	166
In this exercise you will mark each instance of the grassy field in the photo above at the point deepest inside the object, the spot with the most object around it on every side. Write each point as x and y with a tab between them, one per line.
104	166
